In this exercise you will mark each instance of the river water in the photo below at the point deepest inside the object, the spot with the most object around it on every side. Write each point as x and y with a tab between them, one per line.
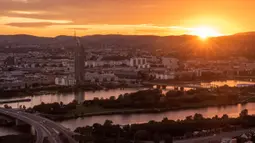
69	97
8	131
232	111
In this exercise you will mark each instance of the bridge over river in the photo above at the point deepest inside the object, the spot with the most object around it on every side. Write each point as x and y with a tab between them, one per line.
43	128
176	85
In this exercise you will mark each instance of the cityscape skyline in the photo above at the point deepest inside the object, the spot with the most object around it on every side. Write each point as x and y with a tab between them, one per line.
52	18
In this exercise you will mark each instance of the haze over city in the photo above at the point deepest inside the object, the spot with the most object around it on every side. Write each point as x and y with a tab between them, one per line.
133	17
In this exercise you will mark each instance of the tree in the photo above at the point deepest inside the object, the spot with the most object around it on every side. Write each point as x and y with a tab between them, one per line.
156	138
120	97
61	104
6	106
151	122
224	117
215	117
198	116
141	135
165	120
168	139
112	98
189	118
96	125
96	99
244	113
75	102
108	123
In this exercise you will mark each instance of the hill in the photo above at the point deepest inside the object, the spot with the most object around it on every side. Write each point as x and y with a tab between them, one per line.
183	46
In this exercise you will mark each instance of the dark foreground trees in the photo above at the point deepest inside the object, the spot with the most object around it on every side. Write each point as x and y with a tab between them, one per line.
167	130
24	138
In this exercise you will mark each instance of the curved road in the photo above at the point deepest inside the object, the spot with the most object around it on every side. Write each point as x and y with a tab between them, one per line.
44	128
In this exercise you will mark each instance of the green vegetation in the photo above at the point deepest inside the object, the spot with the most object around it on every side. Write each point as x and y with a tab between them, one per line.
148	101
23	138
168	130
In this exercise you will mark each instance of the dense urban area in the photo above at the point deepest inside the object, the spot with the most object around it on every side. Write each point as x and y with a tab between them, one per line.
29	62
35	66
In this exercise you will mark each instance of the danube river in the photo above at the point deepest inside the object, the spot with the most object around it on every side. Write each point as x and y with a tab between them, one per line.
8	131
69	97
232	111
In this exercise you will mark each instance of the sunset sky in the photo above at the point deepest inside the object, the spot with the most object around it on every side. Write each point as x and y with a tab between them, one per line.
139	17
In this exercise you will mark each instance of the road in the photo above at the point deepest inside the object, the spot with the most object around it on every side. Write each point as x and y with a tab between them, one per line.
217	137
43	127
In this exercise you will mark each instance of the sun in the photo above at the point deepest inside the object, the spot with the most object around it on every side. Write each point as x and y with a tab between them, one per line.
204	32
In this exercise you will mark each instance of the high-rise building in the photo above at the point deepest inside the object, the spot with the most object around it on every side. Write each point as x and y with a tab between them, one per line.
79	62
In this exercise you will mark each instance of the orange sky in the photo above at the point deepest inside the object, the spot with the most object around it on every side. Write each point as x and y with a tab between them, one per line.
156	17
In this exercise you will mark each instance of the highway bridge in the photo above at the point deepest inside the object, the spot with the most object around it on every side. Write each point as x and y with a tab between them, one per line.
44	129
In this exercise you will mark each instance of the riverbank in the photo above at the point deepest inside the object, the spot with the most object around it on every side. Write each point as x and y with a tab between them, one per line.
148	101
60	90
90	112
53	89
194	128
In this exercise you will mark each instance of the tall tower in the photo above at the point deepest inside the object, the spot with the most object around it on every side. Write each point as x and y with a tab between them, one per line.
79	62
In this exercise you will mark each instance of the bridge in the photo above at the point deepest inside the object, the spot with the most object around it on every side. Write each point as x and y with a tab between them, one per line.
44	129
14	101
177	85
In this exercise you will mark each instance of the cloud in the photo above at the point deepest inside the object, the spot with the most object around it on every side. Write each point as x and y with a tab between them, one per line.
27	12
30	24
5	20
79	11
82	29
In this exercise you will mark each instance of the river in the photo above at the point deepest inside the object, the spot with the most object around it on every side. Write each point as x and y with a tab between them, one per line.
8	131
69	97
232	111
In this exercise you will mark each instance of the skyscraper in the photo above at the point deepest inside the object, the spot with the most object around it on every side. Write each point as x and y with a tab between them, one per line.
79	62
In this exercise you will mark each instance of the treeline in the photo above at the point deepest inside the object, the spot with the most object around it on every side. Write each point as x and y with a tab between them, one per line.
167	130
55	108
23	138
155	99
173	99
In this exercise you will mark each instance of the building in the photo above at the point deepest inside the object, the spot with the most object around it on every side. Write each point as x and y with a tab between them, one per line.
170	63
163	75
65	81
9	61
79	63
135	62
92	64
100	77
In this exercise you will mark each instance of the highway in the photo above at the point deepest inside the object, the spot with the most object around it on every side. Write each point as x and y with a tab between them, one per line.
44	128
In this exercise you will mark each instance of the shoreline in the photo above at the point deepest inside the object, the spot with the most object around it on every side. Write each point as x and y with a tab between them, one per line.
56	90
53	89
61	118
